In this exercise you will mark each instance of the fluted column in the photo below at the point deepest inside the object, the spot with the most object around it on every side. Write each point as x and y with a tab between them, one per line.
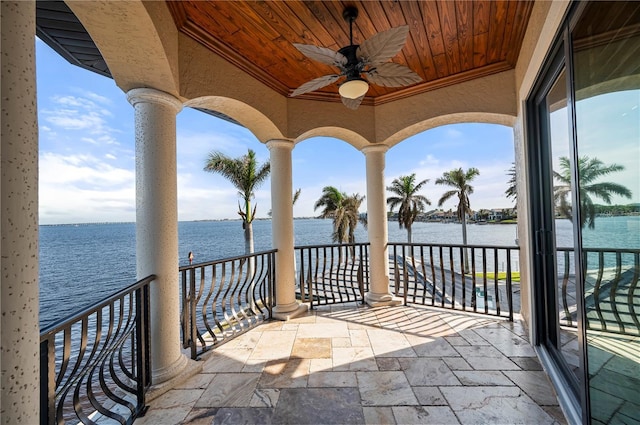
19	325
377	226
157	224
287	306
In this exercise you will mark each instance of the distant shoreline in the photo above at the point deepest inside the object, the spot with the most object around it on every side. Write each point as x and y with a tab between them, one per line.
508	221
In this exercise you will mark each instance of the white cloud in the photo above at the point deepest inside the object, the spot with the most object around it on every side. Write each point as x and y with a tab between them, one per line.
81	168
71	119
81	188
94	96
72	113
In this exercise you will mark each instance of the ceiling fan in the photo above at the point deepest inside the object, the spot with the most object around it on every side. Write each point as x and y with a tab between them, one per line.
368	59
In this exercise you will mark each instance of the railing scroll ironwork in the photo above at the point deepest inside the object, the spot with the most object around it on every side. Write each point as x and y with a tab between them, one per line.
94	366
332	274
222	299
612	295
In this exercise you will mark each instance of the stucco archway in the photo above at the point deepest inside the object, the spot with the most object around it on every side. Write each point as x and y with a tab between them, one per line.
249	117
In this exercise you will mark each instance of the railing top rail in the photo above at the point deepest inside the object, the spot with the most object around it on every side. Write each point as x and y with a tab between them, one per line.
620	250
449	245
225	260
63	323
331	245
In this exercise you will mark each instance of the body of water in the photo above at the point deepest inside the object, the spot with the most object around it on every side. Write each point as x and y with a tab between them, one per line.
81	264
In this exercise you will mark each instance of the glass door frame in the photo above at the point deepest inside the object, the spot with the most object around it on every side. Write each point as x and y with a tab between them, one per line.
573	393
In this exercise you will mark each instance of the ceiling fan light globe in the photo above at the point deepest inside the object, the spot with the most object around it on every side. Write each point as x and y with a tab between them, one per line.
353	89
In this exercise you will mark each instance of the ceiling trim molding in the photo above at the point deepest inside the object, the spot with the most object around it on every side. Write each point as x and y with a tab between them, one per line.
199	34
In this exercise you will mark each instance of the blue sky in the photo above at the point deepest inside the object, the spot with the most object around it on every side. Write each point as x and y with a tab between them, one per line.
87	163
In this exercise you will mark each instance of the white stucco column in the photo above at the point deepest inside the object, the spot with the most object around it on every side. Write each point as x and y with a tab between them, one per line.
19	327
287	307
157	224
377	225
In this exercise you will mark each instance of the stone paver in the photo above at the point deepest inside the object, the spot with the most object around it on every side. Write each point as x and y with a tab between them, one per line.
355	364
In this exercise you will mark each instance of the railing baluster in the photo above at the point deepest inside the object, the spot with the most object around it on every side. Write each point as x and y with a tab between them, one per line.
443	280
453	274
142	333
367	268
424	275
184	316
632	289
415	279
396	266
565	284
47	381
464	280
474	296
192	313
344	266
484	280
405	272
361	274
495	280
309	278
509	285
433	276
301	280
596	290
614	290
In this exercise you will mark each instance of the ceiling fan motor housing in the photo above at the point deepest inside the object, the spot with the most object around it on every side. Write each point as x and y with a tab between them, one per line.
353	67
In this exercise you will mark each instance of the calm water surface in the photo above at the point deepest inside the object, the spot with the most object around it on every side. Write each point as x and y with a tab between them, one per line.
81	264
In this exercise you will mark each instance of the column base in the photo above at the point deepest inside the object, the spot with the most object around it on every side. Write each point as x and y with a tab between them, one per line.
379	300
289	311
187	369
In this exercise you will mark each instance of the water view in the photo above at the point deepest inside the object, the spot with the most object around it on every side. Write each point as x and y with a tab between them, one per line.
81	264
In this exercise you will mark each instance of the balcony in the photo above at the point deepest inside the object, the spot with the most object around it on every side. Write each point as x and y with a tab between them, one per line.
350	363
455	351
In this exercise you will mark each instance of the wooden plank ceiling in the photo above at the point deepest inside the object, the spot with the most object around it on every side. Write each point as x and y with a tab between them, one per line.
449	41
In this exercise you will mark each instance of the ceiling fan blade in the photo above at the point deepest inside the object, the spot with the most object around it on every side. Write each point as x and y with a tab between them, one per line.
322	54
391	74
352	103
315	84
383	46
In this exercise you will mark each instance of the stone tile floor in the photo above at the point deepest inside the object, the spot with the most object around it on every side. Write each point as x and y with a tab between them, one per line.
353	364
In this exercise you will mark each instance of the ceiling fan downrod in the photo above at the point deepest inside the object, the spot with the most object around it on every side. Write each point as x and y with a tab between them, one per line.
350	14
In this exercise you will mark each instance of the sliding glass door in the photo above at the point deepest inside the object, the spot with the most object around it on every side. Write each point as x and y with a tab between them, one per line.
559	315
606	58
585	192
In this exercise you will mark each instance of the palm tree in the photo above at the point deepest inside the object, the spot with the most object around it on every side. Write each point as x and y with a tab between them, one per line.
246	175
411	204
459	180
352	205
511	191
343	209
589	170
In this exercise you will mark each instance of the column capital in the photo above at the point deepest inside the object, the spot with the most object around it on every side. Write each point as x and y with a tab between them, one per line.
147	95
280	143
374	148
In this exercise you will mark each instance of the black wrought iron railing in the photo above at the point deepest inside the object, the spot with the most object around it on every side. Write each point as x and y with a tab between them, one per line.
332	274
612	295
224	298
473	278
94	366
